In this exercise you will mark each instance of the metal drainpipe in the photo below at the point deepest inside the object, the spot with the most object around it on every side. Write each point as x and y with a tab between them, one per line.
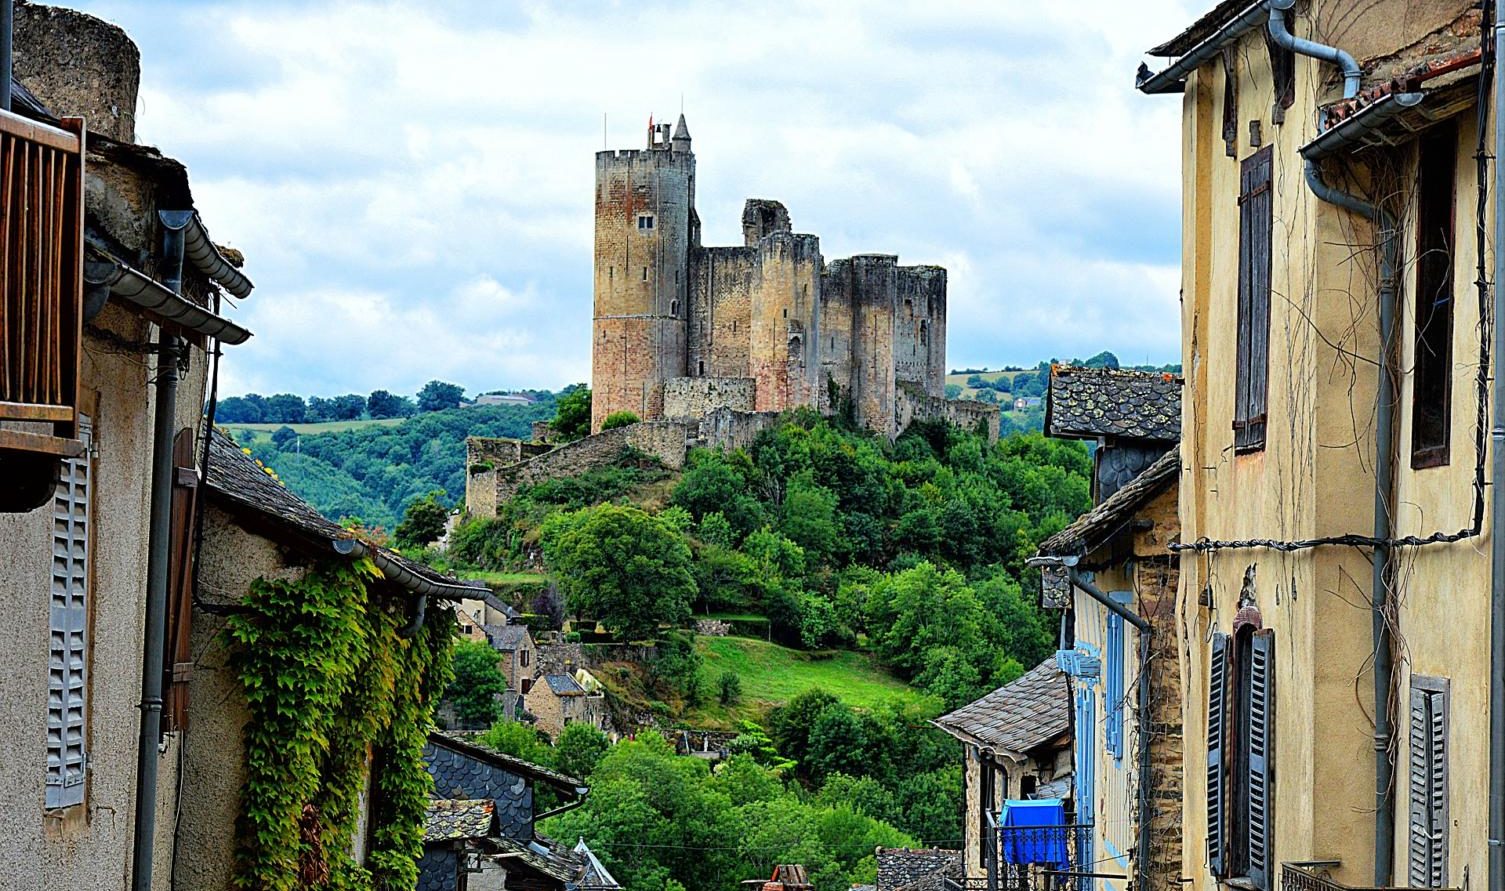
1141	711
1384	669
7	54
1497	494
169	348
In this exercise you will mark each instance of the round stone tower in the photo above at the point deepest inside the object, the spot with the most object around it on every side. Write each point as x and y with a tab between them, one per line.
645	209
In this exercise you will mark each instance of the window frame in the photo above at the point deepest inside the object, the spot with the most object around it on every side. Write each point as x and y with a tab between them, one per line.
1441	143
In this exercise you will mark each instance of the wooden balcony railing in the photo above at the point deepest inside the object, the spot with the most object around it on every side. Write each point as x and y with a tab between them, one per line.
41	281
1311	877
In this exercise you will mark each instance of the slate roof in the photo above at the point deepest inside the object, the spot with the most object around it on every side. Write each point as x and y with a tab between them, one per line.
1087	403
1093	528
564	685
1018	717
542	855
562	782
900	868
507	637
241	485
447	819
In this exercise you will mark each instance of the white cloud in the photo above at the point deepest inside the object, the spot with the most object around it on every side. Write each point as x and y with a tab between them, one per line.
412	182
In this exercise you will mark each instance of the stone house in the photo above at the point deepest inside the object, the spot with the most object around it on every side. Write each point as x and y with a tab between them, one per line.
1017	745
480	831
1113	574
1340	611
519	655
108	319
559	699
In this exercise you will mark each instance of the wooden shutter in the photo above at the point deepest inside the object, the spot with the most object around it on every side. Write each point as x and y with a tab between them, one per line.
1114	672
67	682
177	662
1256	226
1428	812
1217	747
1261	736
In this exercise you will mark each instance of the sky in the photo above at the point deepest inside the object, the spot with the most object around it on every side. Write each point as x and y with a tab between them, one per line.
412	182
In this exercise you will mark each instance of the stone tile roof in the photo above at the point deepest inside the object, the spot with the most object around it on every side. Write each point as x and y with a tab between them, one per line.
902	868
1018	717
507	637
447	819
564	685
241	485
564	783
1087	403
543	855
1093	528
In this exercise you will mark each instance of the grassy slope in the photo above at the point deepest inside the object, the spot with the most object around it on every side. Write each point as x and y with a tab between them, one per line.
264	431
967	392
772	675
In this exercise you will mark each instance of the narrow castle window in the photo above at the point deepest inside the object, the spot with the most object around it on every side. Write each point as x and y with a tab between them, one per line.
645	222
924	333
702	367
645	273
673	307
611	274
786	312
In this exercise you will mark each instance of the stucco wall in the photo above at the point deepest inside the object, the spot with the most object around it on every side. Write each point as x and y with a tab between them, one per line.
1315	476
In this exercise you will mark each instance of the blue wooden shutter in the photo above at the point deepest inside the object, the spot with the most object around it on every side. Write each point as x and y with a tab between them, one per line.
67	683
1261	751
1086	765
1113	726
1217	736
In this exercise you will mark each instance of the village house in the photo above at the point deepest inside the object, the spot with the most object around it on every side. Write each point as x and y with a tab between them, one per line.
558	699
917	869
519	655
1016	746
480	833
1340	519
1115	577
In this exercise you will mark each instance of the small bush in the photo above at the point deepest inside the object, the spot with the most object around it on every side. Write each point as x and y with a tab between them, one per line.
729	688
619	419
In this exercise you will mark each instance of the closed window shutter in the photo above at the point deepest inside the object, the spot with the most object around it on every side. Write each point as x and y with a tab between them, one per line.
1086	775
1256	228
67	683
1217	746
1428	812
1114	671
1261	736
177	662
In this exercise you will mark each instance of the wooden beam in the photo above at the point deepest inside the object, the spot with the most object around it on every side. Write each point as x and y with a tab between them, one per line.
40	442
27	411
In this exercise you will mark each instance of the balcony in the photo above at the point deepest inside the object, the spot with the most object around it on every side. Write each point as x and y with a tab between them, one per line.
1035	858
41	284
1312	876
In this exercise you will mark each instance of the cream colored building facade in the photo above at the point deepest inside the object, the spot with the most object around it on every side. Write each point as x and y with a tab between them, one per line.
1280	447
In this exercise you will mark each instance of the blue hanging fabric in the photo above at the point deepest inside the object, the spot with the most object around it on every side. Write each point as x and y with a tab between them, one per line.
1034	832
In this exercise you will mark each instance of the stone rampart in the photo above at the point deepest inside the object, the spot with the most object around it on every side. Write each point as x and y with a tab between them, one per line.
912	405
665	440
696	397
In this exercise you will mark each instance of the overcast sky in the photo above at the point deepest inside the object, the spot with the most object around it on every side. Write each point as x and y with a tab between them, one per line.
412	182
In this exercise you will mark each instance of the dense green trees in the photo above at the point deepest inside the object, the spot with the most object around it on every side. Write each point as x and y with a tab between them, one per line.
423	522
478	681
573	419
439	395
382	404
621	566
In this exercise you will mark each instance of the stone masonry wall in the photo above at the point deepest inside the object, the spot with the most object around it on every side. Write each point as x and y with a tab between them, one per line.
911	405
665	440
1156	583
727	429
720	323
783	358
696	397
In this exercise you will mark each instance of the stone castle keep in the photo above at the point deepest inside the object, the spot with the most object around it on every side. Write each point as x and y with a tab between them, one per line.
681	329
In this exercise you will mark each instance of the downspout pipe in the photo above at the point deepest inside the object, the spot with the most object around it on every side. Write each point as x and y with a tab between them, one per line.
1497	491
7	52
1384	448
1141	708
1280	32
170	348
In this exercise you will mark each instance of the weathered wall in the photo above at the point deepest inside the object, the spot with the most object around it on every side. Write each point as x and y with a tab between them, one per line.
641	278
721	320
729	429
696	397
665	440
483	457
762	217
782	355
79	66
874	286
911	405
919	348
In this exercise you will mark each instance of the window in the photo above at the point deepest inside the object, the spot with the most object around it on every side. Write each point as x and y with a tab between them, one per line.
645	273
67	683
701	365
924	334
524	657
1255	227
645	222
673	307
1239	746
1428	812
1113	680
1431	392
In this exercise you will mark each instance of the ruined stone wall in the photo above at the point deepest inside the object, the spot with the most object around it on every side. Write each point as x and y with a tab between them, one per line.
720	323
834	340
874	279
665	440
761	218
727	429
911	404
696	397
785	296
644	204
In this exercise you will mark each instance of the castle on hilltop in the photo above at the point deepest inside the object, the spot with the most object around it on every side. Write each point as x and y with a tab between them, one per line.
681	330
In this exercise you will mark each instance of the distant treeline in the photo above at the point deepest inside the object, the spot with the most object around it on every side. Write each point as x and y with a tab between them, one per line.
290	408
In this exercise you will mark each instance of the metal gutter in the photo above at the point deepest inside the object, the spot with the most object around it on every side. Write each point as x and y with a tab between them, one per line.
1172	79
207	259
1496	793
149	295
1373	117
401	575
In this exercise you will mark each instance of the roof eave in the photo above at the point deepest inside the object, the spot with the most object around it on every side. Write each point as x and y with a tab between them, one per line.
1172	79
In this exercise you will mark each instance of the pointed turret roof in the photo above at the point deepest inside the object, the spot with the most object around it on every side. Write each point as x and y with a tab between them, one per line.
680	130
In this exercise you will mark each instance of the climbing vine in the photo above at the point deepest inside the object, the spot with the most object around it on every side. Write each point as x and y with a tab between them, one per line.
329	684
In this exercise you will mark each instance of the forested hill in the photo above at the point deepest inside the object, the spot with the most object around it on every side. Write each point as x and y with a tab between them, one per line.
372	470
